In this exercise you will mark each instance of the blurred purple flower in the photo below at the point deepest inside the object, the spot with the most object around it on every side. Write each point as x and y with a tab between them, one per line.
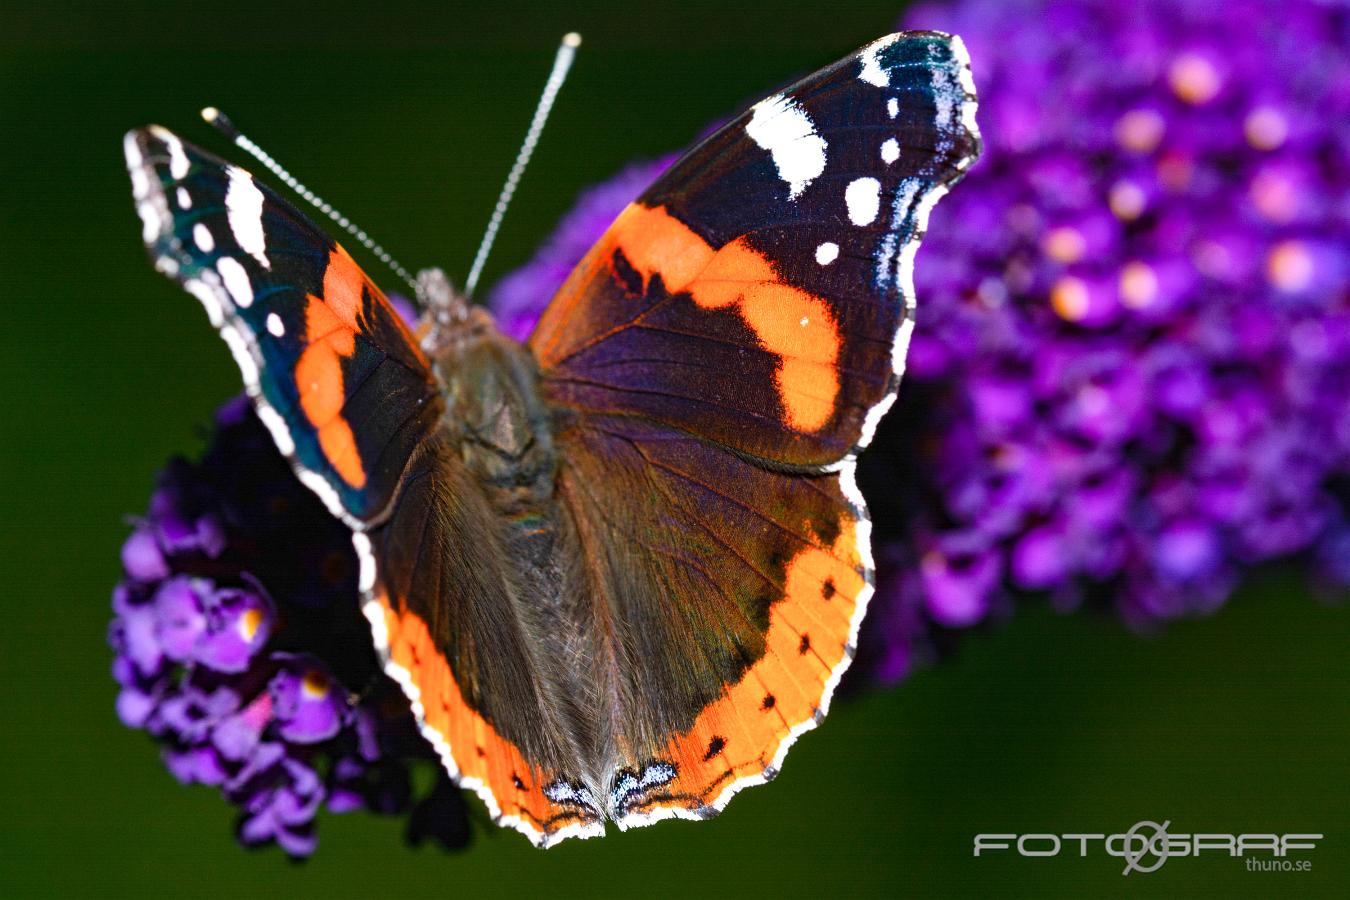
1131	372
279	796
241	650
1142	327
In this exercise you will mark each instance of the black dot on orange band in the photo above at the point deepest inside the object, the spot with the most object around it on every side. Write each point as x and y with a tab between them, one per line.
805	645
480	751
515	779
769	701
715	746
625	274
759	611
828	591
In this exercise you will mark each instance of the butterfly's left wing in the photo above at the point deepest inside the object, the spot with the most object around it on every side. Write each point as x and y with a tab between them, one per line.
717	359
351	401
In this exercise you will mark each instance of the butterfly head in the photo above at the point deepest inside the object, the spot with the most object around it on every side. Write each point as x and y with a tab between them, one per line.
445	312
439	297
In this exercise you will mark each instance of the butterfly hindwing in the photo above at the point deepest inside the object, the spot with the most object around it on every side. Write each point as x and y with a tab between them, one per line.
720	356
331	367
735	592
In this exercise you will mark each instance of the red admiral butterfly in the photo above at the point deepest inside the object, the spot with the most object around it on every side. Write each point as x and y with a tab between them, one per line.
620	568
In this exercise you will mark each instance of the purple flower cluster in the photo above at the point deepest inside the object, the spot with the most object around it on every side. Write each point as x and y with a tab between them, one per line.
241	650
1130	378
1131	373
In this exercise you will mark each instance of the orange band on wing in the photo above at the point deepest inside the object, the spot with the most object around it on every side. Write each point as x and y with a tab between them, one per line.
796	326
331	324
790	323
741	734
800	329
343	287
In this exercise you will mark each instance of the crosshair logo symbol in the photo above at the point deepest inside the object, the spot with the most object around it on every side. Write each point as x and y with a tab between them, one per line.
1155	846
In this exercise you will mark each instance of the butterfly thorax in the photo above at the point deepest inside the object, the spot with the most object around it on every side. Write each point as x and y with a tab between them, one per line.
495	414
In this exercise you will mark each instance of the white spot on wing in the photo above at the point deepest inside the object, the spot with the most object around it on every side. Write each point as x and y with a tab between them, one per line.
969	104
236	281
150	203
178	161
780	126
863	196
893	107
275	326
827	253
135	165
184	198
890	151
244	203
152	224
872	72
201	236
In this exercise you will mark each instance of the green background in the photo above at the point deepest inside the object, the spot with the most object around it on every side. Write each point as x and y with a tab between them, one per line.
407	117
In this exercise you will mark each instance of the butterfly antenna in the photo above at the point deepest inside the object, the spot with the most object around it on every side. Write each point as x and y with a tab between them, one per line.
567	51
218	120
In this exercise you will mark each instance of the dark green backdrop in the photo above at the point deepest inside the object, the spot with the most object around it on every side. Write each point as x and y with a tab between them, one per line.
407	117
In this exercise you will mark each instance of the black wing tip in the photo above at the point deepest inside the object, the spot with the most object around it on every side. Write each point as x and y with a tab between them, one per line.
156	159
147	138
134	145
915	49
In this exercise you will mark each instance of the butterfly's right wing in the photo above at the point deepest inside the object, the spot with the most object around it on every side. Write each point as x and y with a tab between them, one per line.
718	359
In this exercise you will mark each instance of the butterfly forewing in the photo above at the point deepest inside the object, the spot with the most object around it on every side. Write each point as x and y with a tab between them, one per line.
332	368
759	294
